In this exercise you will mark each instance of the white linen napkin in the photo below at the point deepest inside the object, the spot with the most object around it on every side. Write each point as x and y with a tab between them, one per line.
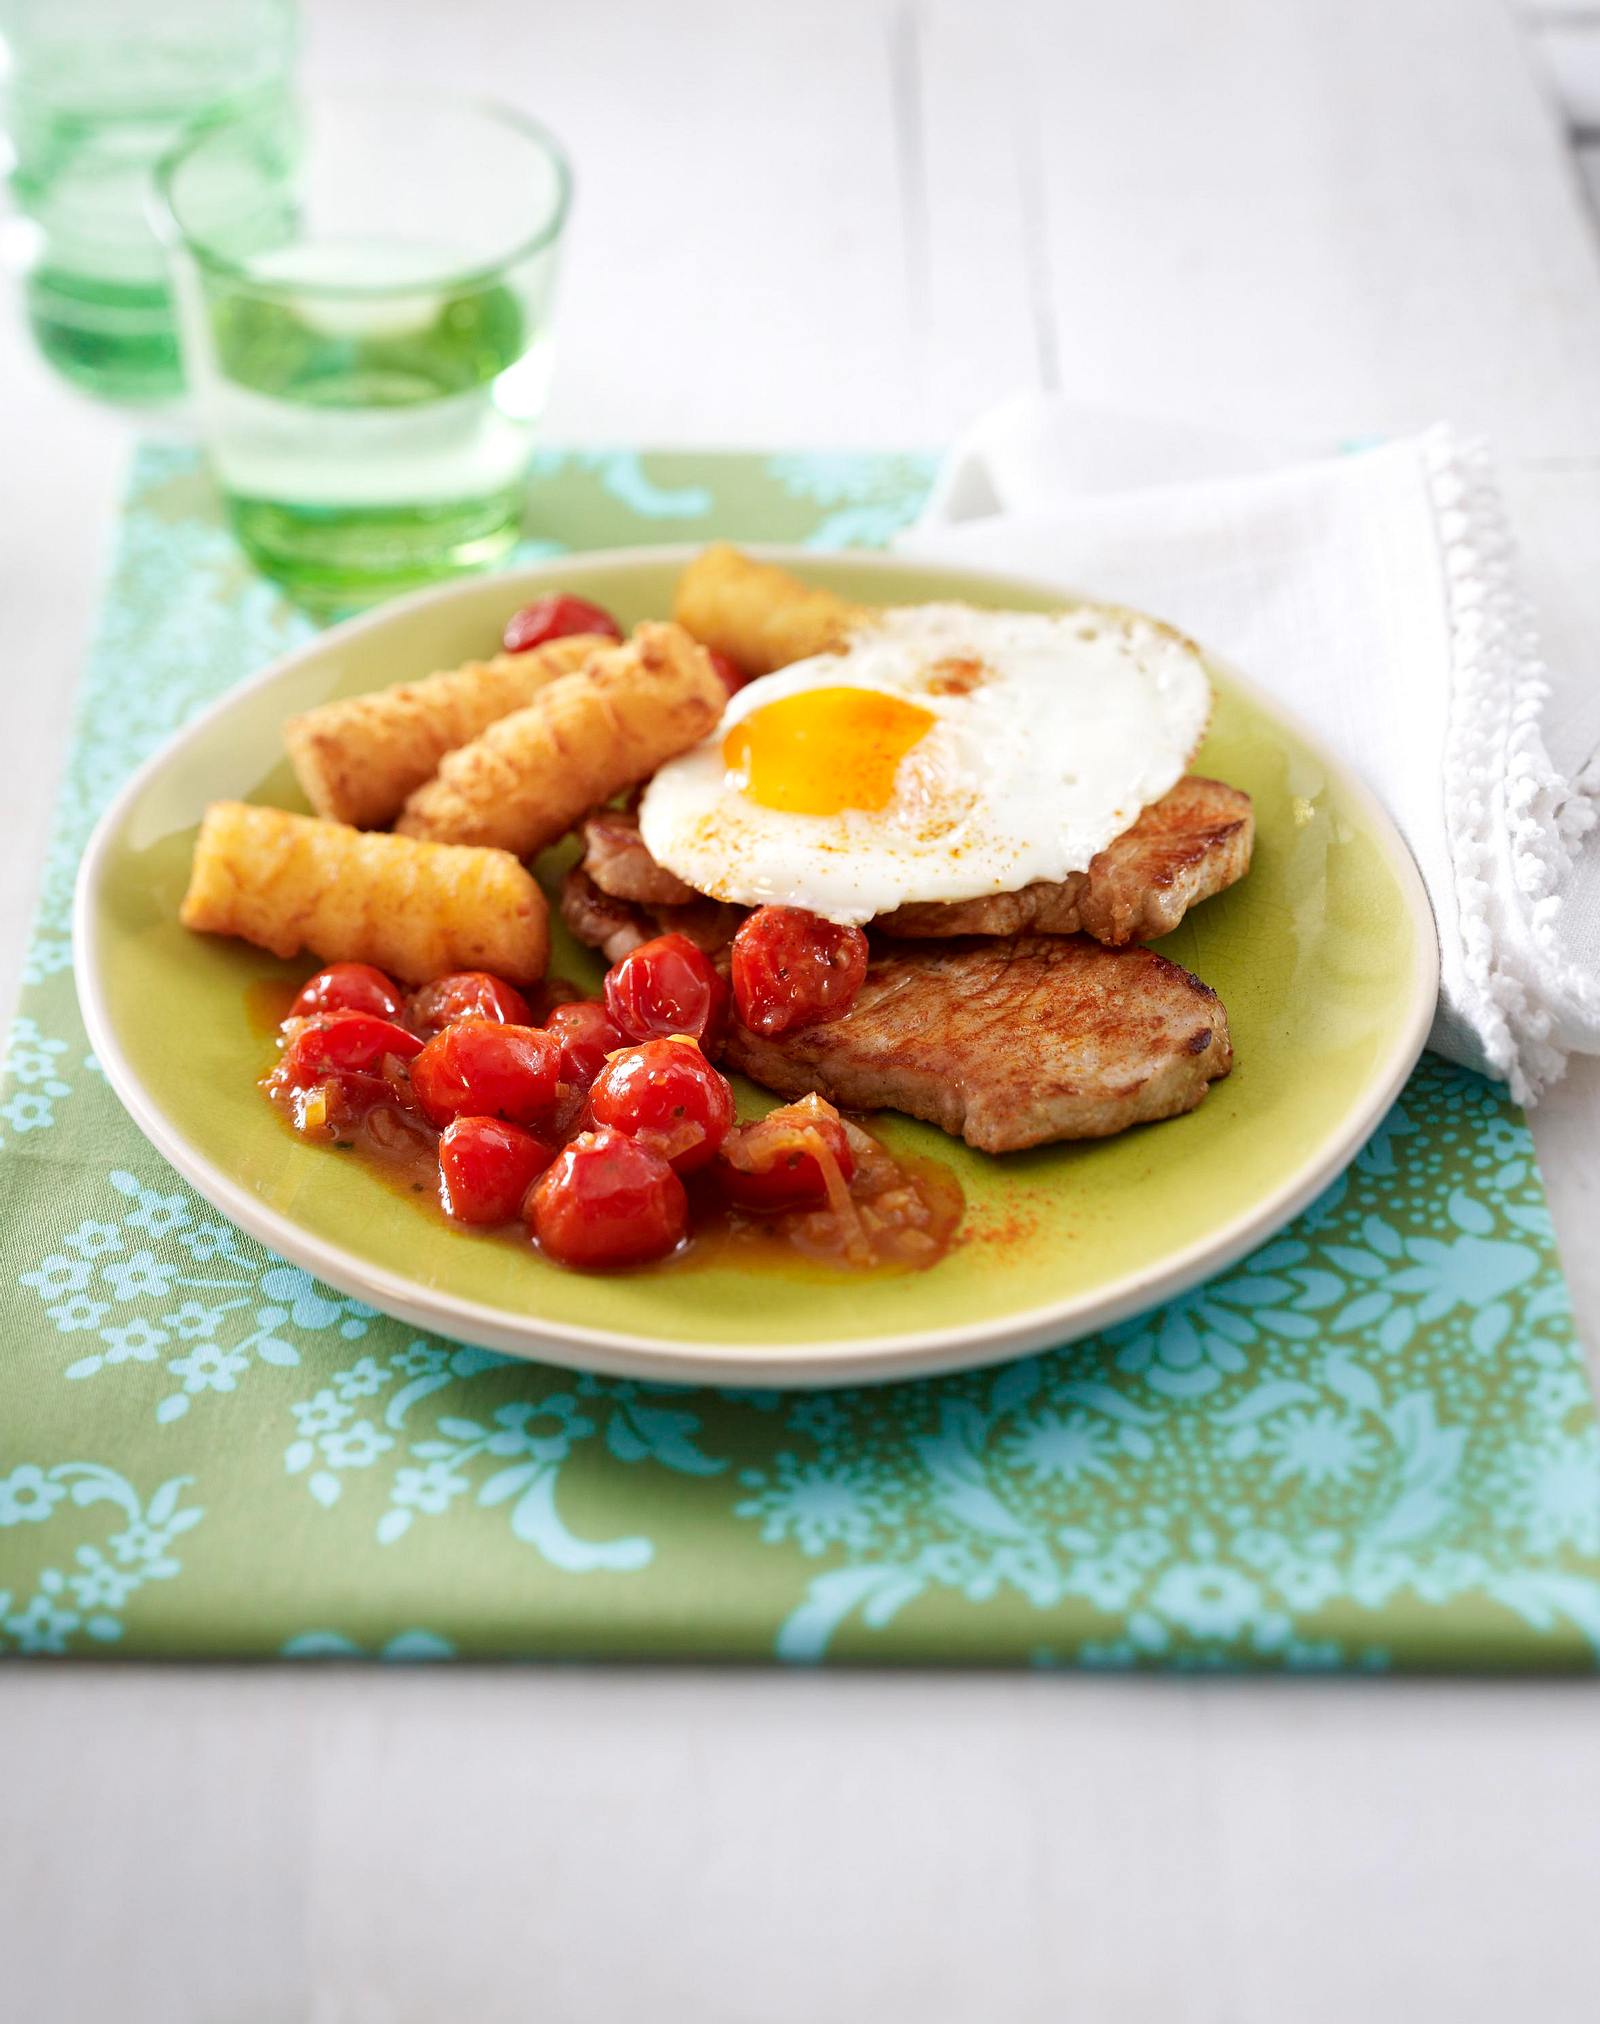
1374	593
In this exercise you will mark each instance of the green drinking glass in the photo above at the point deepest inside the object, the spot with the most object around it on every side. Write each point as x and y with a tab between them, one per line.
365	285
92	94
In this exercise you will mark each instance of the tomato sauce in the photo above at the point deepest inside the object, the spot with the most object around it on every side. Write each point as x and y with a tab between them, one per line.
886	1216
403	1153
914	1208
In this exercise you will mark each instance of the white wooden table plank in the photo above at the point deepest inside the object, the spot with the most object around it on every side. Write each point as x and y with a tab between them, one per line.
60	467
1568	54
988	316
1337	219
736	267
1556	13
590	1848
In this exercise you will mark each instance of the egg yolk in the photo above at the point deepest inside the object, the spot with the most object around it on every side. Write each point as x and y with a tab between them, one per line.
823	750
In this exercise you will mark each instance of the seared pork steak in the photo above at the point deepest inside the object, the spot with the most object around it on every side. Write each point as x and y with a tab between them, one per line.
614	926
1009	1042
1192	843
1195	841
1005	1041
615	857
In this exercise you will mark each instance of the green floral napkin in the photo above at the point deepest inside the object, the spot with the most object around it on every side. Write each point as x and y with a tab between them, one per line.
1369	1445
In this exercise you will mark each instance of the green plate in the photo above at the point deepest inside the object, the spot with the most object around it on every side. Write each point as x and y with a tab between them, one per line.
1325	958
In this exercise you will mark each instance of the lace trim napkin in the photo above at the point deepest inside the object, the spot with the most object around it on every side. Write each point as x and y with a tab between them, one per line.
1375	594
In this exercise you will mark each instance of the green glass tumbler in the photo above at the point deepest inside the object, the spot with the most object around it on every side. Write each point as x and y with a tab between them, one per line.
92	94
365	288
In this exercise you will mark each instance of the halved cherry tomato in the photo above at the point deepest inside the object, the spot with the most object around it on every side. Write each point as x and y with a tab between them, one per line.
553	618
774	1164
606	1202
477	1068
467	994
486	1167
342	1043
348	987
792	969
668	986
665	1095
728	673
587	1033
334	1107
338	1067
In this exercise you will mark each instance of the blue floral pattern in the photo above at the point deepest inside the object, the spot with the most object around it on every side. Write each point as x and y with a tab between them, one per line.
34	1069
870	496
623	475
1369	1444
1360	1414
61	1603
406	1647
510	1458
206	1308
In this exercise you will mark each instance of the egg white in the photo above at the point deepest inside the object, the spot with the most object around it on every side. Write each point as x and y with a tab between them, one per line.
1076	721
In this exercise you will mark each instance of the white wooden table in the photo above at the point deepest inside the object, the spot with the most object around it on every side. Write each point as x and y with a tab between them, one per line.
852	221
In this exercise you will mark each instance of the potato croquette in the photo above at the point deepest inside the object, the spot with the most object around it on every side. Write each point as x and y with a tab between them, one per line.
532	775
359	758
760	616
416	910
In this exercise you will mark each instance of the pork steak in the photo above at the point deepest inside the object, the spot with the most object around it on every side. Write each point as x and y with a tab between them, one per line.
1195	841
1005	1041
1009	1042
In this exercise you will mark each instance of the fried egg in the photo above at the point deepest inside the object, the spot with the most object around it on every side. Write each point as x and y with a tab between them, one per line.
946	753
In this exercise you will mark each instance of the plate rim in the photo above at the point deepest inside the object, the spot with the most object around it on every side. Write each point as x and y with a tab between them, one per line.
781	1366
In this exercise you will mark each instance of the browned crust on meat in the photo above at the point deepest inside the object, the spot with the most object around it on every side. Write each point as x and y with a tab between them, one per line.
600	922
1192	843
1010	1042
614	926
617	861
1005	1041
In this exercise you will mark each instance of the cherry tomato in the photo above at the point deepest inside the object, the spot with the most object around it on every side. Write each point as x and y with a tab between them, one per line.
666	1095
792	969
342	1043
553	618
606	1201
337	1067
587	1033
728	673
668	986
477	1068
348	987
334	1107
467	994
486	1166
772	1165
